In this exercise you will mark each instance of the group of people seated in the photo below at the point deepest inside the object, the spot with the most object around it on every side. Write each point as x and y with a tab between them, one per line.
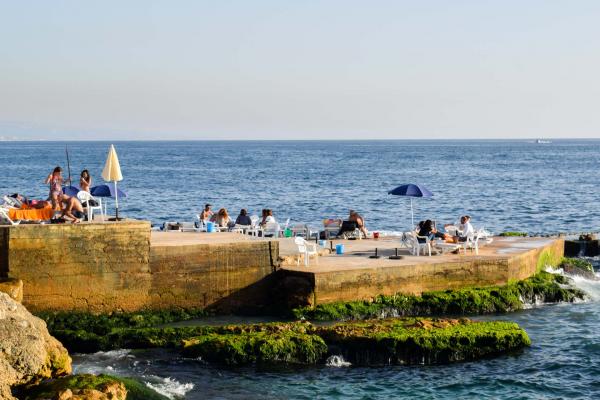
223	220
453	234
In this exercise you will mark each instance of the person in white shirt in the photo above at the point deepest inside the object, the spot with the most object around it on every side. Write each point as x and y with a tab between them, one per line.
267	217
465	229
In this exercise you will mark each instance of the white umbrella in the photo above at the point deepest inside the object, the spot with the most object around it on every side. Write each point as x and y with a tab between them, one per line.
112	173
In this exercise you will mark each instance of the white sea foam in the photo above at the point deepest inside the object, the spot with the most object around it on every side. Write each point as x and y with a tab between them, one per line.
337	361
169	387
113	354
590	287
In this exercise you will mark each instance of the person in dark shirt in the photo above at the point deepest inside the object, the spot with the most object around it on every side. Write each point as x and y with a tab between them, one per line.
427	229
243	218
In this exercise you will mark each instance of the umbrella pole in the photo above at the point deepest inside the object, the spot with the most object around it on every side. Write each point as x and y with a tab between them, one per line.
116	202
412	214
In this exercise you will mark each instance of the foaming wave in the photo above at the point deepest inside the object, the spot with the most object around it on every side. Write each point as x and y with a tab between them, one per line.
337	361
589	286
169	387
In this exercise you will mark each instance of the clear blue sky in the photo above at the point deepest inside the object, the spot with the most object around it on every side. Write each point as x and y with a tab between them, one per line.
299	69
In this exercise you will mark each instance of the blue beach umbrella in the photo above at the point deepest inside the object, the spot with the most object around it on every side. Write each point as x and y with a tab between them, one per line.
71	190
106	191
411	190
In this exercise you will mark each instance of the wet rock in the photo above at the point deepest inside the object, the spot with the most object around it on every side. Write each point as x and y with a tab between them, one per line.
28	353
90	387
578	267
107	391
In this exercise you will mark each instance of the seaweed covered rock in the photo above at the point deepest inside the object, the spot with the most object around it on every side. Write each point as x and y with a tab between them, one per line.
421	341
541	288
27	351
292	345
578	267
90	387
375	342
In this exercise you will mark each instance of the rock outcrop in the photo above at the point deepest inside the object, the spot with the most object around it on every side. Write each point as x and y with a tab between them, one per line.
109	391
13	288
28	353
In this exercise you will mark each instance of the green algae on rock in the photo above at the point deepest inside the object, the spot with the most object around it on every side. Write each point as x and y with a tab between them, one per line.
112	387
513	234
257	347
375	342
542	287
578	267
421	341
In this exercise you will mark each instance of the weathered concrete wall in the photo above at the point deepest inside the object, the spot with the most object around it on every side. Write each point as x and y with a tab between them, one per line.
95	267
366	283
108	267
222	276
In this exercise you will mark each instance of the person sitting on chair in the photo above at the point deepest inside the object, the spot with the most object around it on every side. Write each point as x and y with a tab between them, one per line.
243	218
206	213
223	219
427	229
465	229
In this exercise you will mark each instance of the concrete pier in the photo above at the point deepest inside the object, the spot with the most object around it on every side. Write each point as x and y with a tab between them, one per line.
123	266
355	276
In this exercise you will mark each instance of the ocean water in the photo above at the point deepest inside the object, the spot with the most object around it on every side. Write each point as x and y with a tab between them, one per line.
562	363
503	185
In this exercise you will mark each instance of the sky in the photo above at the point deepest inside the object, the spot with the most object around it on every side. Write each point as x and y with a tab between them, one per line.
110	70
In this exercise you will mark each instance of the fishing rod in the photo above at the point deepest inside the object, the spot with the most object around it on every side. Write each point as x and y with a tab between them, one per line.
68	164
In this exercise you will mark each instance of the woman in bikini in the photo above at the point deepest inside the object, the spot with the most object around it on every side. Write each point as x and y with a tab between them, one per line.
85	181
55	180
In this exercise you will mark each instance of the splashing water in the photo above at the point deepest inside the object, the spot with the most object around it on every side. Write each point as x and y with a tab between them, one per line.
169	387
337	361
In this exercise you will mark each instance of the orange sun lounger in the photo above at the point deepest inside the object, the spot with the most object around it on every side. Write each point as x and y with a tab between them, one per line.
31	214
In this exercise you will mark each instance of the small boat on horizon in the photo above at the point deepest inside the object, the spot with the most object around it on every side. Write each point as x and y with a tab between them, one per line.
543	141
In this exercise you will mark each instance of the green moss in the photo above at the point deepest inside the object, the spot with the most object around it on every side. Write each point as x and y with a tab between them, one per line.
104	323
511	233
543	287
422	341
576	263
548	259
392	341
49	389
257	347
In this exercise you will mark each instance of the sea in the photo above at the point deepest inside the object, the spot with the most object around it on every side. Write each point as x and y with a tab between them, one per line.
505	185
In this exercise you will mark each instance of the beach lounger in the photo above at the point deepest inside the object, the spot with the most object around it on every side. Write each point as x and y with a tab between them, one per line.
5	218
331	227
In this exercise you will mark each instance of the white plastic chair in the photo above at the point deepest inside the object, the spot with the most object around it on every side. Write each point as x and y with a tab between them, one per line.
87	197
271	229
306	249
254	229
418	246
472	243
299	230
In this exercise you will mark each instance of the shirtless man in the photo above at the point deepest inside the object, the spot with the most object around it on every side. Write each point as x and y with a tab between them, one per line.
206	214
360	222
72	208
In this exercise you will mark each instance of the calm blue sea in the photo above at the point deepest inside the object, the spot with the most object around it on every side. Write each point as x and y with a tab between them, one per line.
504	185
